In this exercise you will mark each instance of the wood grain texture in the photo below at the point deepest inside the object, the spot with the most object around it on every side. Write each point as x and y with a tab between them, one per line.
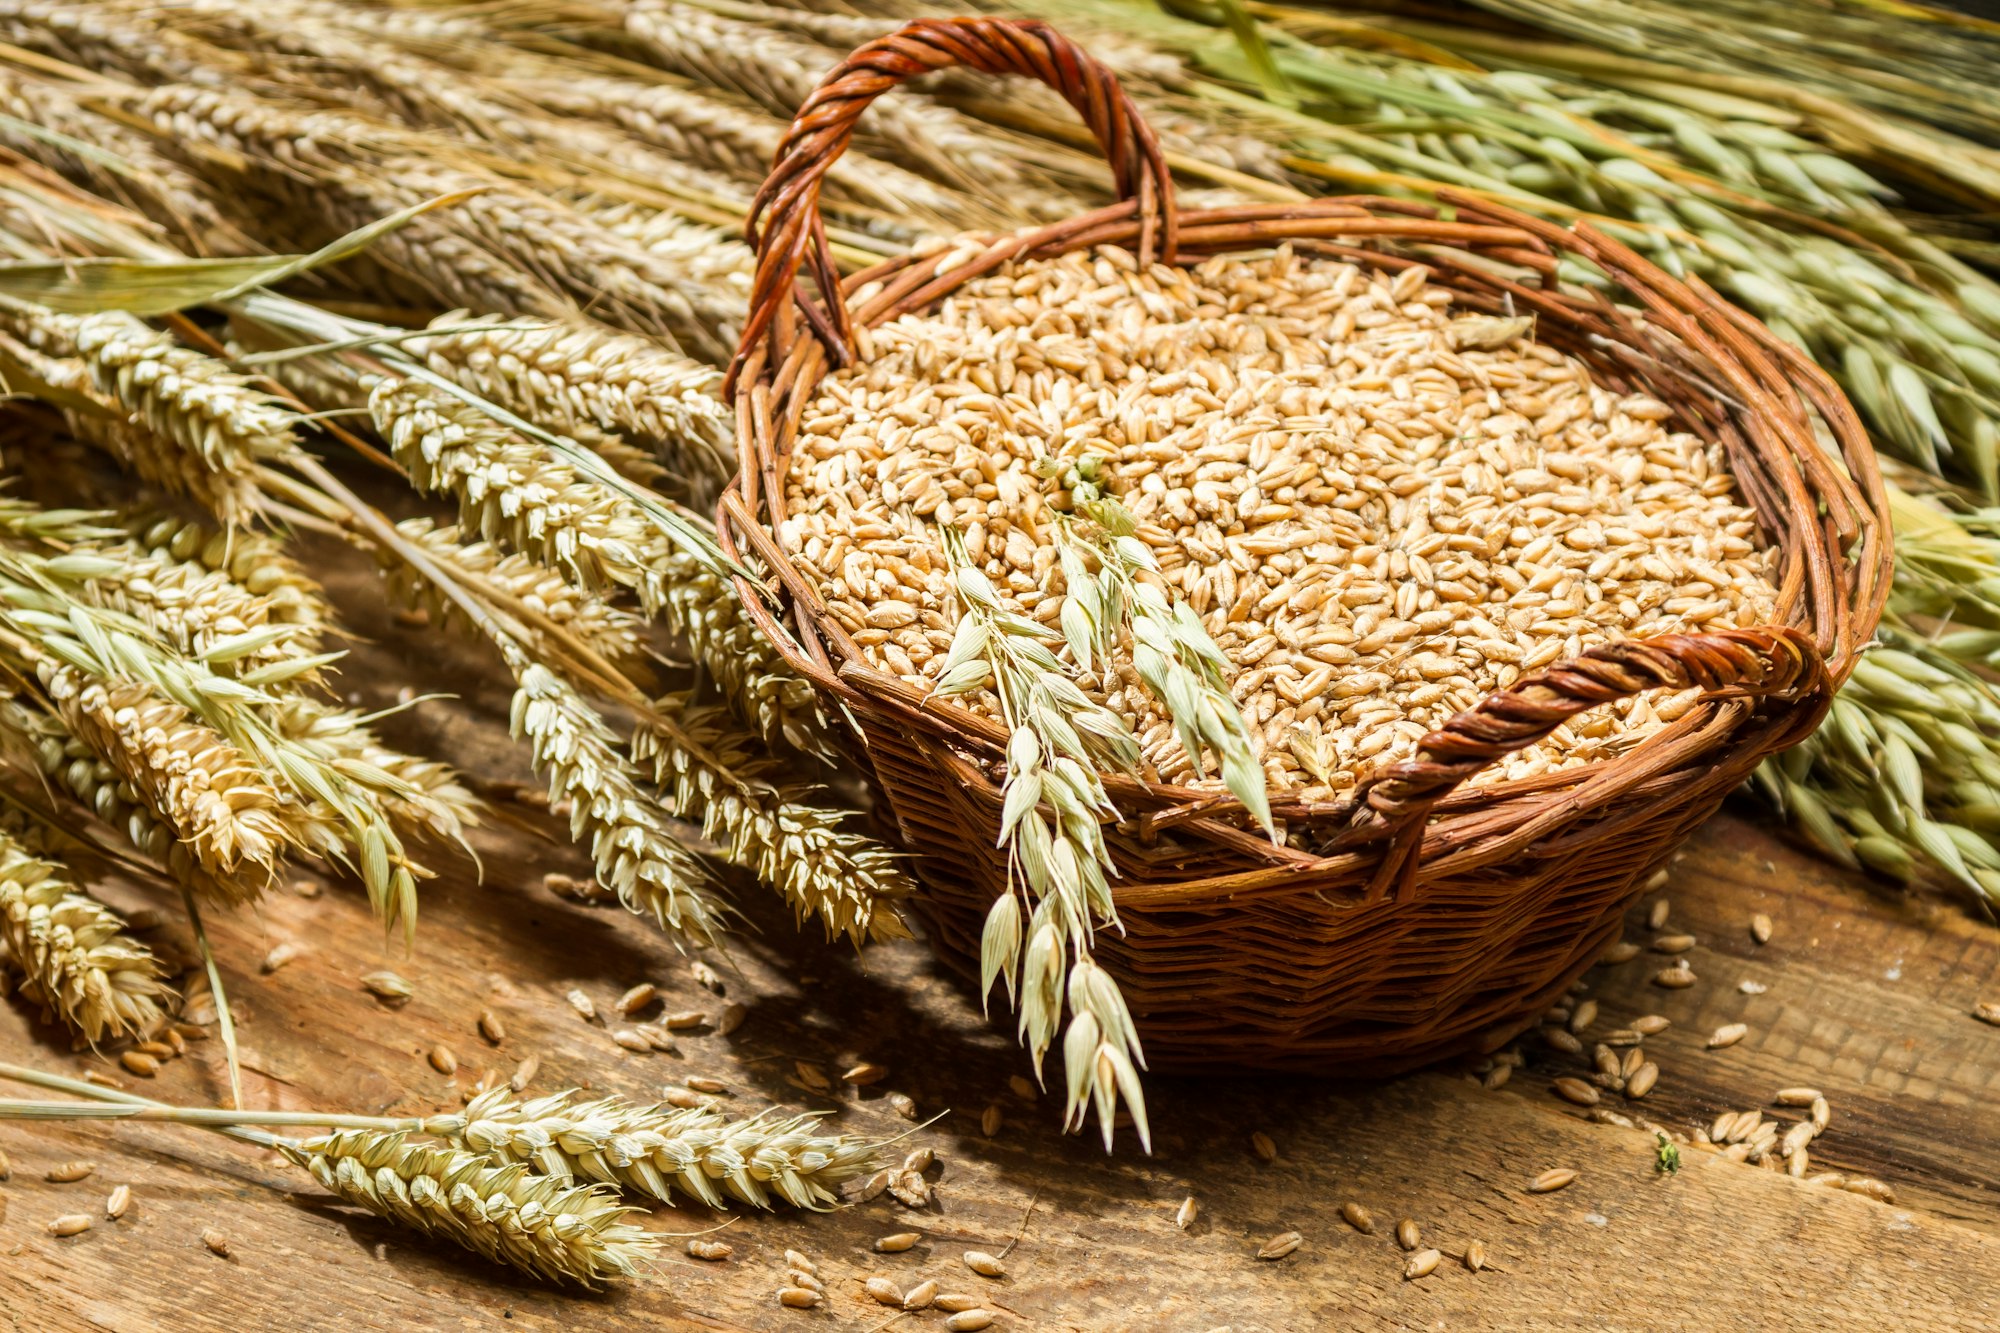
1868	999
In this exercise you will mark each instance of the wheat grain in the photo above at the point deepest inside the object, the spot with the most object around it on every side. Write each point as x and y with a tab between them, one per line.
540	1224
74	955
657	1152
1340	490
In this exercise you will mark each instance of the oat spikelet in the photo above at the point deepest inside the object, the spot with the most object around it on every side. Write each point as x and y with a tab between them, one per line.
635	854
848	880
74	952
559	375
540	1224
421	794
216	801
657	1151
613	634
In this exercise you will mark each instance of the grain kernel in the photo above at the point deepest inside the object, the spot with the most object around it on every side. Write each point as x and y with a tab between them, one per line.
984	1264
1280	1245
1550	1181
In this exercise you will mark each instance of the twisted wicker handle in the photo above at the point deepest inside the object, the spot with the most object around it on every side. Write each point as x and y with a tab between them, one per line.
785	227
1757	662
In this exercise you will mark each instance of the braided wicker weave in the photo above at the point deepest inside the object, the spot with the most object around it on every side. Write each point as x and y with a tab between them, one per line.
1417	918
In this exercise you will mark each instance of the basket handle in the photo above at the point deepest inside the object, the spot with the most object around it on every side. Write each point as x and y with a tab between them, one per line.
1770	661
785	227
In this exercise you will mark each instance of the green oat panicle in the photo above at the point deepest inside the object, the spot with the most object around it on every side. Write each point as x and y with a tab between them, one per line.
544	1225
660	1152
1060	739
73	952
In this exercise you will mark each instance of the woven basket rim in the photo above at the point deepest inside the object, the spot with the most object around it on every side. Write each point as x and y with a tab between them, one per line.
1827	510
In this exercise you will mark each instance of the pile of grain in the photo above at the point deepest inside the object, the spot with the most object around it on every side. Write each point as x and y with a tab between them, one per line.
1382	511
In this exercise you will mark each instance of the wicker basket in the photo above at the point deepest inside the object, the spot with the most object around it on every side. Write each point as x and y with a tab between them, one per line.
1430	919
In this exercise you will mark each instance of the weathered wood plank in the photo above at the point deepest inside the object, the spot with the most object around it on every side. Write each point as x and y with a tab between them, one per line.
1718	1246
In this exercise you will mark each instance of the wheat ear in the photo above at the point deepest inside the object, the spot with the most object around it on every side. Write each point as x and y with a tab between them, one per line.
558	375
656	1151
540	1224
848	880
75	769
208	791
74	952
606	630
635	854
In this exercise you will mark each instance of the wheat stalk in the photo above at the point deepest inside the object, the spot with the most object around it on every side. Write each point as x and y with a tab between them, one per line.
112	160
779	72
182	395
846	879
73	951
510	484
210	794
700	128
256	562
504	248
634	853
204	612
73	767
655	1151
96	662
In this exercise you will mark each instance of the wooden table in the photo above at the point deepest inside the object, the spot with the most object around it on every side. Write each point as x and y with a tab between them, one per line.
1867	998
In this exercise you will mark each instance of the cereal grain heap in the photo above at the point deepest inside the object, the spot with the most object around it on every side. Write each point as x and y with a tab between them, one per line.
1382	510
